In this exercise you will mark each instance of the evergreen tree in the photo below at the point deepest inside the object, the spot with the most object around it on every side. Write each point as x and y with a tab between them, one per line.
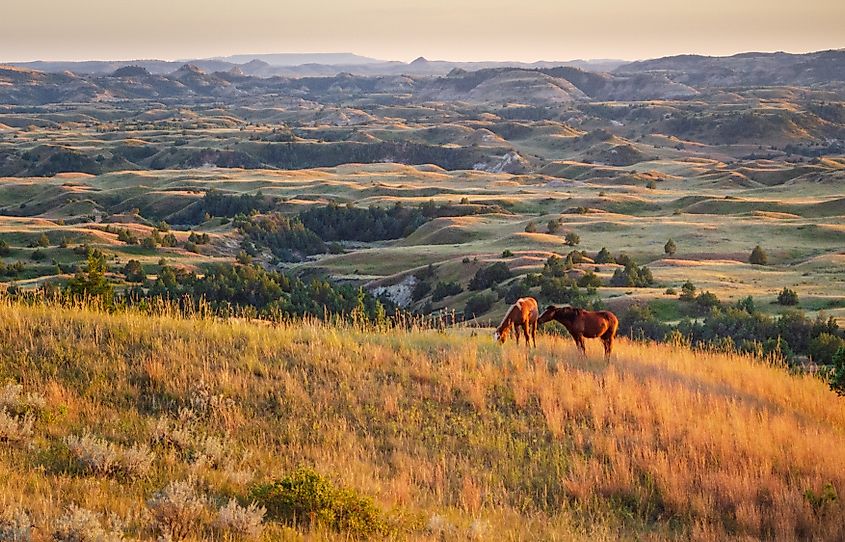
758	256
92	281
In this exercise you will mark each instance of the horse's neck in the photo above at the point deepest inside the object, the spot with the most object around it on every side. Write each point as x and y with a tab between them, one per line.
507	321
568	324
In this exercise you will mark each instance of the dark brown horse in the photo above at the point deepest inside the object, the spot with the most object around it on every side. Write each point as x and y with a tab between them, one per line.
522	314
583	324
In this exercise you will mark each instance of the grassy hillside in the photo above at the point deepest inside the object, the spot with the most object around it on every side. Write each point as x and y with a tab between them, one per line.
450	435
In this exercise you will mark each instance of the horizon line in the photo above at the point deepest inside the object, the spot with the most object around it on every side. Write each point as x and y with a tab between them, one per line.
383	60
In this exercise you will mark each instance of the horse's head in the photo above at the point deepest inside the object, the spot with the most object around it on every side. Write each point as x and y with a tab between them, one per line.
548	315
500	336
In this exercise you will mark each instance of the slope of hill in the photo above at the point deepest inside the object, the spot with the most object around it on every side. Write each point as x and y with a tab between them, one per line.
451	435
747	69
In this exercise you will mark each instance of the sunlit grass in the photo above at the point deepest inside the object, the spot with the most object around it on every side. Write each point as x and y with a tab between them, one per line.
452	435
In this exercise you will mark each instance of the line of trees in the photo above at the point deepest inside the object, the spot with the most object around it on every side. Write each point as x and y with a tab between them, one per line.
230	289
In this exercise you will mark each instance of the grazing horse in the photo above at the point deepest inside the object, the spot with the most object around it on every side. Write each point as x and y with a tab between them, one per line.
583	324
522	314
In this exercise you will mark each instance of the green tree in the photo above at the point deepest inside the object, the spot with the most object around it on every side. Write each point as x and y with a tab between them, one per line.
421	289
603	256
837	374
134	271
92	281
589	279
631	275
43	240
824	347
787	297
126	236
555	266
488	276
687	291
478	305
670	248
758	256
747	304
572	239
445	289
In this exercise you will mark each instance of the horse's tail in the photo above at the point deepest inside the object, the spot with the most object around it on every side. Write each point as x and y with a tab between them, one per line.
612	327
610	334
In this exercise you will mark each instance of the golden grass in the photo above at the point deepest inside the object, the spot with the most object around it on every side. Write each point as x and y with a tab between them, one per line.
460	436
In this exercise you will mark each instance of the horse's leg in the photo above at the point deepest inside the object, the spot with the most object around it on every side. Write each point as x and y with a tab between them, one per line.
525	332
516	332
534	333
581	345
607	341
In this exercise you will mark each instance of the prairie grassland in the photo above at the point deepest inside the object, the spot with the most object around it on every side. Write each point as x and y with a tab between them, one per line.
451	434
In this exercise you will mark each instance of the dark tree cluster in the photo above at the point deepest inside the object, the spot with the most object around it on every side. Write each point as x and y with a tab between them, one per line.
349	223
218	203
740	327
632	276
271	294
287	238
490	275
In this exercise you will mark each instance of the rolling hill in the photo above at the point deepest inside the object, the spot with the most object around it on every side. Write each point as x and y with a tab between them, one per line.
443	435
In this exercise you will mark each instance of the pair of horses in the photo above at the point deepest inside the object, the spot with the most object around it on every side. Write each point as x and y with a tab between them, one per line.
580	323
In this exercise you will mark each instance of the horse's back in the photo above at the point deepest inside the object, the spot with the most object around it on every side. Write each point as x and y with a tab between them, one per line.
529	308
524	311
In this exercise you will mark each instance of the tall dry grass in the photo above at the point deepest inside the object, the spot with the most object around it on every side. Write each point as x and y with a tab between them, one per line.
449	432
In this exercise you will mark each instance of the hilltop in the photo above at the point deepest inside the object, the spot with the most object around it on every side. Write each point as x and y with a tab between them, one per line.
445	434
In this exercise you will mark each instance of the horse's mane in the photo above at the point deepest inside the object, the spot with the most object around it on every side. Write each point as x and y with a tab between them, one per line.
507	318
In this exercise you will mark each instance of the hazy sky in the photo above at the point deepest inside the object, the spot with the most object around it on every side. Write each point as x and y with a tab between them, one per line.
404	29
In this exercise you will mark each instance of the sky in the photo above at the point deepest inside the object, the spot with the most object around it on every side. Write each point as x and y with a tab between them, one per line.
460	30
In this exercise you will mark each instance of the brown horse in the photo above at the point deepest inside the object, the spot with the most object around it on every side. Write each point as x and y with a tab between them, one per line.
522	314
583	324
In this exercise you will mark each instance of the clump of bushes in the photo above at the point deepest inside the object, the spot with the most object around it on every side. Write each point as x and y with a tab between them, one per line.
243	521
632	276
479	304
80	524
178	510
491	275
589	279
443	290
304	495
603	256
18	403
102	457
787	297
18	413
15	428
15	524
421	289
